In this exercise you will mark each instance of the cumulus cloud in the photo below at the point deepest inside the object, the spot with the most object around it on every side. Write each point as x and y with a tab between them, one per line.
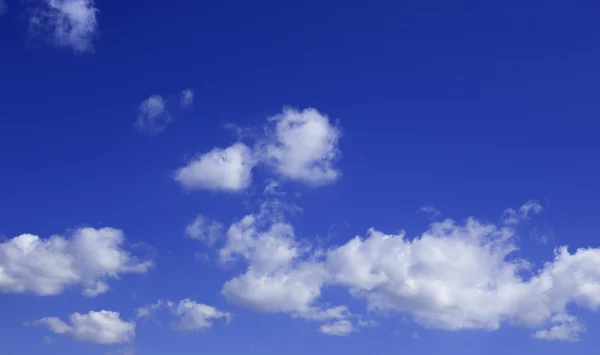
298	145
153	116
103	327
275	281
66	23
453	276
190	316
187	97
87	258
204	230
227	169
303	146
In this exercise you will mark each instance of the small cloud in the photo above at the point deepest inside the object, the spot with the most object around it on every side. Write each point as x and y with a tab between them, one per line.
3	7
227	169
47	339
415	335
153	116
204	230
430	210
512	216
566	328
273	189
340	328
190	315
99	287
65	23
187	98
103	327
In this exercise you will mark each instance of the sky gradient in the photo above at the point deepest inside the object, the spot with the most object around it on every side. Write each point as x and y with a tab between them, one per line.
233	177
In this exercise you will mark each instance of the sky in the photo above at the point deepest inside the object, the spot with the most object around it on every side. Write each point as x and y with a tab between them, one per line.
276	177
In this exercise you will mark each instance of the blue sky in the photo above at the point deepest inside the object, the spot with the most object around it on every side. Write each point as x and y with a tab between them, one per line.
288	177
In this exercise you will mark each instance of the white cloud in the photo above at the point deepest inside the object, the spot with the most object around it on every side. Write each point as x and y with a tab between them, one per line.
189	315
153	116
275	282
454	276
227	169
96	289
303	146
66	23
193	316
204	230
47	266
298	145
339	328
566	328
187	97
103	327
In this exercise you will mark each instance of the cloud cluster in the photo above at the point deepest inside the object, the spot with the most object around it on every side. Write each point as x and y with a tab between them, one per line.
66	23
298	145
453	276
47	266
103	327
190	316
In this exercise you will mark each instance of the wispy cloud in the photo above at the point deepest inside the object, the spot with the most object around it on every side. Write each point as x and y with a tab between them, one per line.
66	23
153	115
430	210
187	98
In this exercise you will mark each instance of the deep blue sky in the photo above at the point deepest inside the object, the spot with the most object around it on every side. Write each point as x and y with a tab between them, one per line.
468	106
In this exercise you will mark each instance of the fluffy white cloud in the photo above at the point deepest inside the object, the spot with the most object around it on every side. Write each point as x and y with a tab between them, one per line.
47	266
227	169
103	327
67	23
275	281
153	116
204	230
299	145
189	315
303	146
339	328
454	276
187	97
